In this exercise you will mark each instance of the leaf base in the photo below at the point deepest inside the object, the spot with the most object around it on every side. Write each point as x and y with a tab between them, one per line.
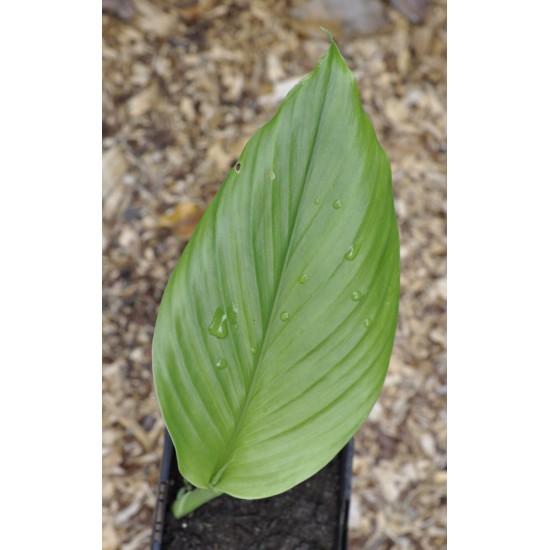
187	501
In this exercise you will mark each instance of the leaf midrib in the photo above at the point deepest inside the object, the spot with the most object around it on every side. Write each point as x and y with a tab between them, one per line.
230	448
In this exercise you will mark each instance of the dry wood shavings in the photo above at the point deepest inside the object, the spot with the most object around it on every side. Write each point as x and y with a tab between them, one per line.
114	167
123	9
182	219
143	102
185	85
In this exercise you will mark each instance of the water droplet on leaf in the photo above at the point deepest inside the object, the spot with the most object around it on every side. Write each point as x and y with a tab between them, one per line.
284	316
356	295
367	322
231	313
317	201
303	278
271	175
221	363
218	328
351	254
337	204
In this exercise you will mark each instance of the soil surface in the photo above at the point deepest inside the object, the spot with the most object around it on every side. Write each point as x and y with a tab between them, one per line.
304	518
186	83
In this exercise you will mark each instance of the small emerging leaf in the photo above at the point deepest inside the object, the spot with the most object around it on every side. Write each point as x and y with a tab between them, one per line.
275	330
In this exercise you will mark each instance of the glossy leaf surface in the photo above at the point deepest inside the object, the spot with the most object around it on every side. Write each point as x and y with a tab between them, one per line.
275	330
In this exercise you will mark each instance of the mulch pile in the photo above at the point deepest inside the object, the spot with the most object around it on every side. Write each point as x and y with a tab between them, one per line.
185	86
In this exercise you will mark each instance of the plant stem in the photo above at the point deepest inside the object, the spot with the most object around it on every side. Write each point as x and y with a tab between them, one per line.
187	502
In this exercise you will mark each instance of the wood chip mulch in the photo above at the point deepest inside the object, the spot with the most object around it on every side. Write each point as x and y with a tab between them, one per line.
186	84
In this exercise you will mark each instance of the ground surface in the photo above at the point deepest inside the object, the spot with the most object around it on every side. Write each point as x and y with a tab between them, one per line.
185	85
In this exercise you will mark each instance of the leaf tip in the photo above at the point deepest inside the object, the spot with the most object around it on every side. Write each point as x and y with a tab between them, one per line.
329	36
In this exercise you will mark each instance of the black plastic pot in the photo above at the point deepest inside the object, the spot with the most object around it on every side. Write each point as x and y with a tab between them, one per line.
311	516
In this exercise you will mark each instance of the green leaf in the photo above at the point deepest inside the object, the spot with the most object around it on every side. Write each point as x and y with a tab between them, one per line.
275	330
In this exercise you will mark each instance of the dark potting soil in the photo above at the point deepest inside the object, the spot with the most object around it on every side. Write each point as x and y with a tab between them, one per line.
304	518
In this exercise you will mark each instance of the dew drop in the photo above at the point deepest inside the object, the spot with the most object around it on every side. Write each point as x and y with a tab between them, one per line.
238	167
271	175
337	204
317	201
253	350
218	328
351	254
231	313
284	316
367	322
356	295
221	363
303	278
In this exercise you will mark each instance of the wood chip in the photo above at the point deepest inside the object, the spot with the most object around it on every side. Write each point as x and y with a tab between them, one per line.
114	167
183	218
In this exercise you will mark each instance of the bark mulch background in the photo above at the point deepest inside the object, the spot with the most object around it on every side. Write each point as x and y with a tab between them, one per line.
185	85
